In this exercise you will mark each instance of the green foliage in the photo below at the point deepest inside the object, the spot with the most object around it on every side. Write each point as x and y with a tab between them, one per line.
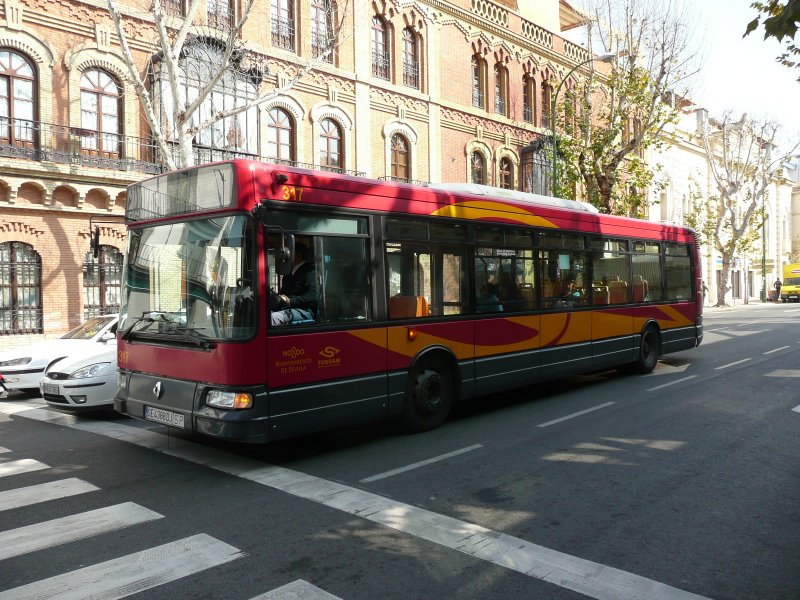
780	21
604	136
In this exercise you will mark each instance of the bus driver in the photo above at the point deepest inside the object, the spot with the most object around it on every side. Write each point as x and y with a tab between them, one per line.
297	299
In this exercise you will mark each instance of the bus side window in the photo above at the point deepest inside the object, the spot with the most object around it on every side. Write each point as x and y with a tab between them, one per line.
408	266
345	290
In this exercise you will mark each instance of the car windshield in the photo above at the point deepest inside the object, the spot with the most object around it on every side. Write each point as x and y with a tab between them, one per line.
190	280
88	329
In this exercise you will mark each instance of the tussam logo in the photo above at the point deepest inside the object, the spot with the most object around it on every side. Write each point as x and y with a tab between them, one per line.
294	352
329	352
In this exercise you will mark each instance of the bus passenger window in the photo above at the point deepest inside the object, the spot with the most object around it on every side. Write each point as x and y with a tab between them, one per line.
504	280
646	267
345	294
611	277
678	271
408	267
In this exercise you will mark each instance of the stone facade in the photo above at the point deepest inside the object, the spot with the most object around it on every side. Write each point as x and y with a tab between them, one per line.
53	185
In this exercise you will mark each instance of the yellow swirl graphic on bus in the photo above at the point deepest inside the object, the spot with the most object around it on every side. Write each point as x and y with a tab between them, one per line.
481	209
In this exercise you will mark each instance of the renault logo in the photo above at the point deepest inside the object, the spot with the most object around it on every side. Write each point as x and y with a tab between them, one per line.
157	390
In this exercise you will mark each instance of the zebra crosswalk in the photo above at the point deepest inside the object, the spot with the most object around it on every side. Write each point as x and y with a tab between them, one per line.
111	579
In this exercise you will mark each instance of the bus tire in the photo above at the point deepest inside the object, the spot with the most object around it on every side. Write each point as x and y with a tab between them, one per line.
649	351
429	396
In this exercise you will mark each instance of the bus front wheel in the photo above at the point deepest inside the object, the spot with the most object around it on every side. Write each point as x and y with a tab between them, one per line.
429	397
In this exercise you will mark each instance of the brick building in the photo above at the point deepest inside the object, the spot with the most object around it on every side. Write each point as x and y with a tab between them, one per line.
418	90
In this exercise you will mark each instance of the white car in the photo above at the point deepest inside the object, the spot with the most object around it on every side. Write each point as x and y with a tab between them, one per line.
23	368
84	380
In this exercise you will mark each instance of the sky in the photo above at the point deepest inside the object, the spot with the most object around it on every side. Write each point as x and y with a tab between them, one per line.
741	74
738	74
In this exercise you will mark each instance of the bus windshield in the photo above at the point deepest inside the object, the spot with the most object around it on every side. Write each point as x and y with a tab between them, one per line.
195	276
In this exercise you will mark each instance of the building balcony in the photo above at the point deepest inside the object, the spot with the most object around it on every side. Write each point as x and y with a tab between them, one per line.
61	144
47	143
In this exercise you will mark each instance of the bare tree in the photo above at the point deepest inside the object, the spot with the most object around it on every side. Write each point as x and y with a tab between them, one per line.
624	113
202	76
744	160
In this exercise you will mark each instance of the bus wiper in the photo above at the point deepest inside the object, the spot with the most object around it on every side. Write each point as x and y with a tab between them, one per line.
192	336
147	317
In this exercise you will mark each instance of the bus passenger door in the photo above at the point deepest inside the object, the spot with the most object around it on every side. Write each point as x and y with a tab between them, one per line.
330	370
427	284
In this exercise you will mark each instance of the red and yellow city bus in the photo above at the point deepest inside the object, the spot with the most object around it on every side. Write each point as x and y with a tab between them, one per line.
426	295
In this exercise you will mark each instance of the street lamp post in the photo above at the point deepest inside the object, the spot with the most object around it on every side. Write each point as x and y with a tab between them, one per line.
602	58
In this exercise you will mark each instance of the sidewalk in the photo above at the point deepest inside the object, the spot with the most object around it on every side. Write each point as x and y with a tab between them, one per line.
741	305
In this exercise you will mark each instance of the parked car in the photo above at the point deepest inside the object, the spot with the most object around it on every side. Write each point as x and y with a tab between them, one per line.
84	380
23	368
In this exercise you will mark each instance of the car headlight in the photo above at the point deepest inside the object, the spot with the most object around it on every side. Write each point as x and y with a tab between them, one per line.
89	371
221	399
15	362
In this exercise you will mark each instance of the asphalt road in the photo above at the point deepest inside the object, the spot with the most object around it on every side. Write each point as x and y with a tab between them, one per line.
680	484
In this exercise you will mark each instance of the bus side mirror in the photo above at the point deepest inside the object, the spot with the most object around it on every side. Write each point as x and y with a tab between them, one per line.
284	254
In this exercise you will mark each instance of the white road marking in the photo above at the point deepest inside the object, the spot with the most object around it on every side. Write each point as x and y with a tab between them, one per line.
25	465
571	572
297	590
127	575
796	409
421	463
738	362
658	387
2	450
47	534
783	373
777	349
573	415
43	492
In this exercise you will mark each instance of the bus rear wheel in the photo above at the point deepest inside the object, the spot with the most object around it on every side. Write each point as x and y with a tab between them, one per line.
649	351
429	397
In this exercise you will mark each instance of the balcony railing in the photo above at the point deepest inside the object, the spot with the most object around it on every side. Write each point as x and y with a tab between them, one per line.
283	33
44	142
477	98
499	105
380	64
321	43
411	74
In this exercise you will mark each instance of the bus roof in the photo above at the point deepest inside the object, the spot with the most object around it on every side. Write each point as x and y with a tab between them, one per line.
459	200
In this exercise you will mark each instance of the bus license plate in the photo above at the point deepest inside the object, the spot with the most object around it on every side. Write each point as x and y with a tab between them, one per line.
165	417
50	388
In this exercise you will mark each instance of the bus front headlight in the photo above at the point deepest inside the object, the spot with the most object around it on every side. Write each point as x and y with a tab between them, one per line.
234	400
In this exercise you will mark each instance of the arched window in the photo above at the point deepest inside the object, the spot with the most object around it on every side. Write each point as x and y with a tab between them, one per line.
528	99
400	163
100	112
410	59
101	282
235	135
20	289
546	104
381	58
17	99
283	24
505	174
280	136
322	35
477	168
220	13
478	83
500	89
330	150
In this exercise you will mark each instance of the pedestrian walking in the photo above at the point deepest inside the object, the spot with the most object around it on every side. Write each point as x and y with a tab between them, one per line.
778	286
